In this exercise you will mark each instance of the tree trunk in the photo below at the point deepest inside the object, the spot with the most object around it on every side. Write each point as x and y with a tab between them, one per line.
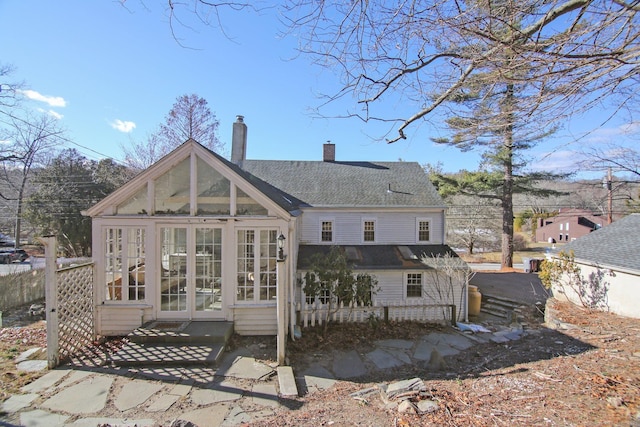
507	186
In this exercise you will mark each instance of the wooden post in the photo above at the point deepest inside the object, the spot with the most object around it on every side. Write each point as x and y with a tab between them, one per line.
281	302
51	300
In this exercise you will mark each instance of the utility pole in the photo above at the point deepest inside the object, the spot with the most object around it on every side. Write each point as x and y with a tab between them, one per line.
608	183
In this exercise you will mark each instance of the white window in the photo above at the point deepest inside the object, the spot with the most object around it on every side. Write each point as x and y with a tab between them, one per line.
257	254
326	231
369	230
124	264
567	227
413	285
561	227
423	230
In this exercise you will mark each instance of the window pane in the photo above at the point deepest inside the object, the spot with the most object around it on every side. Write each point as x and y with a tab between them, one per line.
173	277
423	231
208	276
113	263
268	250
369	231
172	190
414	285
245	205
326	233
246	273
136	205
136	263
213	191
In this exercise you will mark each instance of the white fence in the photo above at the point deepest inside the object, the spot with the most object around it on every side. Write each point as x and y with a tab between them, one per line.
418	310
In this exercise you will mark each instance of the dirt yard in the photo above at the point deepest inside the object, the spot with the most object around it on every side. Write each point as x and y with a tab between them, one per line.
587	375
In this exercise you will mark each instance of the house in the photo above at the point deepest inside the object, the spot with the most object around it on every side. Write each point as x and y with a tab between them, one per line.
198	237
609	268
567	225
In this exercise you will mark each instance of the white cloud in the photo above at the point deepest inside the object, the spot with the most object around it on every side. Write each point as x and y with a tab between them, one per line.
556	161
53	101
52	113
123	126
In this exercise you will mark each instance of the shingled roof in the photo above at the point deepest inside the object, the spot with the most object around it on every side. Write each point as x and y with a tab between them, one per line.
349	184
616	245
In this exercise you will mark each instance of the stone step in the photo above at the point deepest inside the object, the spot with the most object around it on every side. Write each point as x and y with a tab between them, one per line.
182	332
147	354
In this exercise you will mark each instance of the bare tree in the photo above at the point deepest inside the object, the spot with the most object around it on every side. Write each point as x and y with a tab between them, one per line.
189	118
8	102
33	139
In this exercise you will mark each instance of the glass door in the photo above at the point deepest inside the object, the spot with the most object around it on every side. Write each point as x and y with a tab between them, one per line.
173	274
208	272
191	274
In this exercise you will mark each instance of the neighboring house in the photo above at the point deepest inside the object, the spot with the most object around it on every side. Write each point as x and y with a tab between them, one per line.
609	262
567	225
196	237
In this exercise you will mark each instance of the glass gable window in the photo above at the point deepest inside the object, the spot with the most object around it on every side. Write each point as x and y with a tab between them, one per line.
172	190
245	205
125	264
213	191
136	205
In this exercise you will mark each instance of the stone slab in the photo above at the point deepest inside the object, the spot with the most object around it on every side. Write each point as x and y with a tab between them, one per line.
17	402
97	421
32	365
180	389
318	378
87	397
212	416
163	403
401	344
40	418
287	381
248	368
25	355
383	359
265	395
73	378
46	381
135	393
348	365
217	393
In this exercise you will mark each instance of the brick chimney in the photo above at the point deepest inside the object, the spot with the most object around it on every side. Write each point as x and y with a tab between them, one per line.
239	141
329	152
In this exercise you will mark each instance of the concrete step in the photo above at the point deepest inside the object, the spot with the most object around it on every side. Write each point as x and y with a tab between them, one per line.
148	354
500	307
182	332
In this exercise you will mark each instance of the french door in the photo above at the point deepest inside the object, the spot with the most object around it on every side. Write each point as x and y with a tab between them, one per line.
191	273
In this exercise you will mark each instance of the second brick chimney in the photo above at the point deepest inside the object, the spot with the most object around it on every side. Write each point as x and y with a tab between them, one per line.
329	152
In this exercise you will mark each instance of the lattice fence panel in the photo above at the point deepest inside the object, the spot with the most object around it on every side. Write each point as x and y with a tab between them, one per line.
75	309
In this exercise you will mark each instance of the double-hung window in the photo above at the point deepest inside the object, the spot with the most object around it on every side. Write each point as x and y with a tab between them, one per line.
423	230
413	283
369	230
326	231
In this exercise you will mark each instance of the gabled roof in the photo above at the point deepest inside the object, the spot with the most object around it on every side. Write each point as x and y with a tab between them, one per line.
349	184
382	257
285	201
616	245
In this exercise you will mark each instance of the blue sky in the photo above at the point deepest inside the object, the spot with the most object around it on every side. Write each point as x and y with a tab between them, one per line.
112	74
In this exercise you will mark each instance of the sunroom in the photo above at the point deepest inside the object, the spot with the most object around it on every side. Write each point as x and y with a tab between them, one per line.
193	237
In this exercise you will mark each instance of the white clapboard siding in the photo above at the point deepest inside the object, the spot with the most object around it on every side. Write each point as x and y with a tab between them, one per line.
120	319
255	320
391	227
